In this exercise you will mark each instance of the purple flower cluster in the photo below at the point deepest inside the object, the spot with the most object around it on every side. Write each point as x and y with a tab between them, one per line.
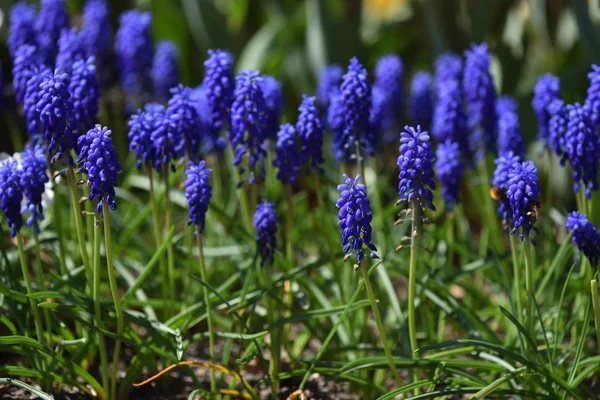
582	147
184	119
21	30
416	167
248	114
421	99
450	169
85	93
480	99
330	79
557	127
50	22
101	163
97	30
355	93
72	47
310	132
33	182
31	98
165	70
585	236
273	95
545	91
510	137
448	67
287	155
523	192
11	194
265	223
389	73
355	218
335	120
219	85
504	163
592	101
27	62
198	193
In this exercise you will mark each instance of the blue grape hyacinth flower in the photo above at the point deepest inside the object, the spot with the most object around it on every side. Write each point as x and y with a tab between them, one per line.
421	99
219	85
545	91
248	121
198	192
582	147
184	119
27	62
11	194
510	136
33	182
355	93
265	224
30	100
504	163
97	29
50	22
168	142
72	47
557	127
585	236
273	95
165	69
389	73
335	120
288	159
449	118
480	99
101	163
415	163
21	29
330	79
355	218
141	126
85	93
448	67
592	101
523	193
450	168
310	132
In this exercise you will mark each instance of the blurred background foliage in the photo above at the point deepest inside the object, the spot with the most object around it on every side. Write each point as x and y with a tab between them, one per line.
294	39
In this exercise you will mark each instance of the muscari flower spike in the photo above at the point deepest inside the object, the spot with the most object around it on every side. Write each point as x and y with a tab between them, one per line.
335	120
416	167
330	79
26	63
355	93
101	163
379	121
265	223
11	194
355	218
523	193
287	155
50	22
389	72
166	138
557	127
198	193
56	114
480	99
219	85
273	95
504	163
30	100
449	119
592	101
421	99
510	136
450	168
33	182
310	132
141	126
545	91
165	70
184	119
248	115
72	47
200	101
85	93
21	26
585	236
134	51
582	148
97	29
448	67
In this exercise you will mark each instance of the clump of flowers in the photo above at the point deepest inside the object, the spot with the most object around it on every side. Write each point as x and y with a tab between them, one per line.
421	99
50	22
33	181
330	79
21	26
585	236
504	163
97	29
416	167
355	93
26	64
265	223
450	169
449	119
287	155
101	163
355	218
545	91
198	193
592	101
72	47
11	194
165	70
510	137
448	67
184	119
310	132
273	95
85	93
523	193
557	127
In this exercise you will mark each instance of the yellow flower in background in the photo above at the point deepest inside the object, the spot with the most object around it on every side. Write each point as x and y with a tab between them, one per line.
386	10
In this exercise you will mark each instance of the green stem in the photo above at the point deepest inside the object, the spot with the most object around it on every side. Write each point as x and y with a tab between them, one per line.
596	307
79	225
97	314
289	250
170	256
32	302
89	208
211	335
275	332
516	278
412	280
157	236
240	192
114	289
42	285
530	287
379	323
58	222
